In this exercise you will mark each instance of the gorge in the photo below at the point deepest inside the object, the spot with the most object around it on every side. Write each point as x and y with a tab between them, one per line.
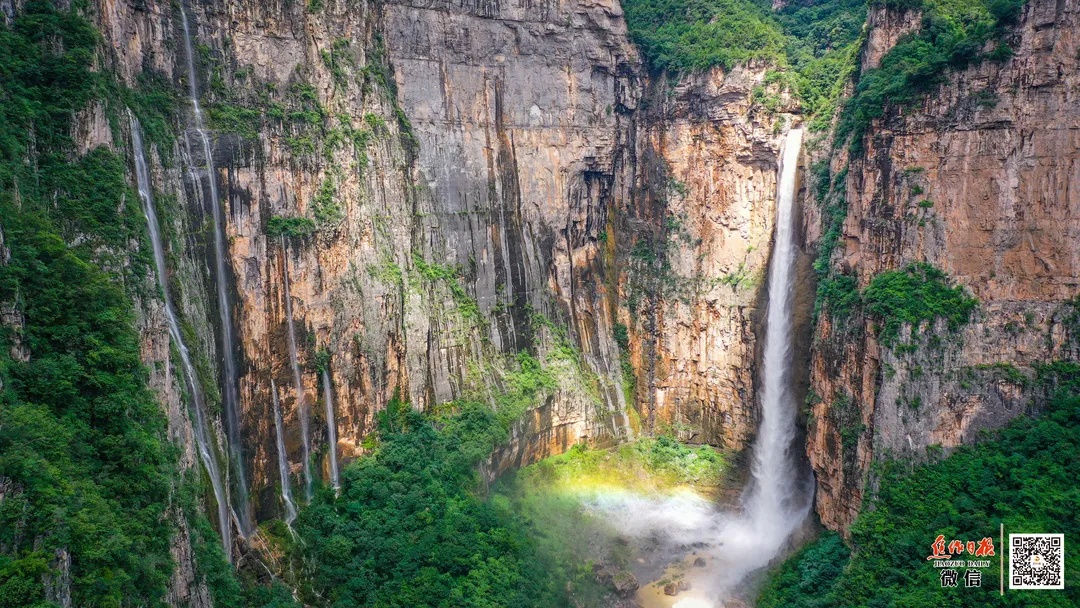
294	293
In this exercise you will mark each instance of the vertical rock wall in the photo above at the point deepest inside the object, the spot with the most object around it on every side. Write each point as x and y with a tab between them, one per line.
457	184
992	158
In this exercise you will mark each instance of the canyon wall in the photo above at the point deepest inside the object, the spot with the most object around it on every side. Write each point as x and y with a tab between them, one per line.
979	180
449	193
693	246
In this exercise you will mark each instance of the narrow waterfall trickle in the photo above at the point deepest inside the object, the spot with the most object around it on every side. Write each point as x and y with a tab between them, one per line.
331	428
191	380
230	379
282	458
301	405
778	502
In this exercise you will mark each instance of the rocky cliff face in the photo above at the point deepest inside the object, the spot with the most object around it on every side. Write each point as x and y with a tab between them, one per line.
979	181
694	244
439	188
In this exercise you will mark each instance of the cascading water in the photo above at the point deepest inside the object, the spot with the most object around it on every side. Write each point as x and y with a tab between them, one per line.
230	378
777	502
331	428
778	499
301	405
191	380
282	460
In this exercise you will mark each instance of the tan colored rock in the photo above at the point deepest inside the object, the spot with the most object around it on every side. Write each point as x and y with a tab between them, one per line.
994	151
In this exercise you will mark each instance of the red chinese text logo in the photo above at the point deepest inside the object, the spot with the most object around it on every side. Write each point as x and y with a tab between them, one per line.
983	548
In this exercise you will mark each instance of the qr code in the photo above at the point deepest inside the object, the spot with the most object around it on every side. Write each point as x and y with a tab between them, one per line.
1036	561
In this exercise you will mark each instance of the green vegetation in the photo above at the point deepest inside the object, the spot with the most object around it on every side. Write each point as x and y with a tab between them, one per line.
233	118
1024	477
81	438
649	464
697	34
290	226
467	306
156	104
952	36
823	42
913	295
409	528
387	272
629	379
848	419
812	45
524	383
327	211
806	578
839	295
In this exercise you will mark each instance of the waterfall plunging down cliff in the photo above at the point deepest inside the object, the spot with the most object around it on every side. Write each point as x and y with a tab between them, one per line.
298	384
230	379
778	501
331	429
283	461
191	380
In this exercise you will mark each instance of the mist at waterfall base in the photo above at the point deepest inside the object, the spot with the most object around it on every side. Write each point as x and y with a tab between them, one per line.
736	542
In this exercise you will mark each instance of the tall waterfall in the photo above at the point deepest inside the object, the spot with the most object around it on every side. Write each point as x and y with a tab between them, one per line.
301	404
331	428
738	542
778	502
282	459
230	378
191	380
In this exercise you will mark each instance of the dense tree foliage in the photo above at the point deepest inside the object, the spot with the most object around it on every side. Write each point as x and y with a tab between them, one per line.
917	293
698	34
1024	477
811	44
81	438
410	528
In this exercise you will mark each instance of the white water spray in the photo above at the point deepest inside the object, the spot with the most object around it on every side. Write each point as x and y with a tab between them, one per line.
331	428
282	458
301	405
777	503
778	498
191	379
230	380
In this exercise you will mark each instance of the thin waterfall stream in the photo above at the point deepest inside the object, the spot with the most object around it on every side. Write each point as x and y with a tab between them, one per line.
298	384
282	457
230	379
196	397
331	428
